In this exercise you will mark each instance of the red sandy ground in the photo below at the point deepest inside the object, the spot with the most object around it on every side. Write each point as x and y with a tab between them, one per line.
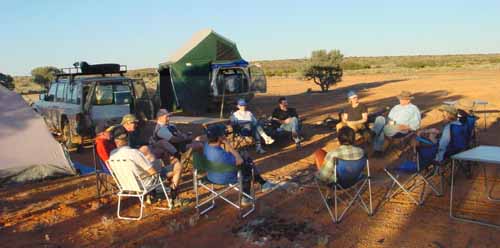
65	213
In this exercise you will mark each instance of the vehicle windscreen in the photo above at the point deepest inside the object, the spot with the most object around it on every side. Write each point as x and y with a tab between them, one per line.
112	94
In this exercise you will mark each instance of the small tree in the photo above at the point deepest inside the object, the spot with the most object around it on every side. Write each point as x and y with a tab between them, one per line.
7	81
44	75
324	68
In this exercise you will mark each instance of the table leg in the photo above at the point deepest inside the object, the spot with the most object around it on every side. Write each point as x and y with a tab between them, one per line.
459	218
488	192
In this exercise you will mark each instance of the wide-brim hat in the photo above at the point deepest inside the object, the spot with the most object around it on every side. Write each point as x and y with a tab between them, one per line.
465	104
405	95
448	108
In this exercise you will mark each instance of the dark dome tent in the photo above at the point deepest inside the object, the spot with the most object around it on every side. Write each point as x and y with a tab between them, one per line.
28	151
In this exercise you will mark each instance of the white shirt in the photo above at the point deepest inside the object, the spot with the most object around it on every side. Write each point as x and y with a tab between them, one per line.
141	164
406	114
239	116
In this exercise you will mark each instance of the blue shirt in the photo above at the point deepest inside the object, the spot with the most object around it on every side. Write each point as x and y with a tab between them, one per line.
219	155
406	115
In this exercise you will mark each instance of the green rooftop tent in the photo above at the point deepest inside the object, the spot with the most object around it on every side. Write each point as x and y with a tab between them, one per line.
185	81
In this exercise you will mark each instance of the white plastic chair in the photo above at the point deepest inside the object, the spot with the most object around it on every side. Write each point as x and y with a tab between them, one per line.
131	185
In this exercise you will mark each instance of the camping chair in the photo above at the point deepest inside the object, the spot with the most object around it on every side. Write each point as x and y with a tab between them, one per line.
352	182
103	174
240	136
131	185
401	142
416	174
202	165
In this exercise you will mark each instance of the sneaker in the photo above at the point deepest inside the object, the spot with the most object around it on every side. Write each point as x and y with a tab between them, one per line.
268	186
268	140
259	150
245	202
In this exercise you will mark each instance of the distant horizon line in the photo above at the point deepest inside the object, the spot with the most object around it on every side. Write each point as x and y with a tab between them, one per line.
279	59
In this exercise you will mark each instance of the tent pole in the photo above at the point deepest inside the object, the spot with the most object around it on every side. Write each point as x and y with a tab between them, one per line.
222	103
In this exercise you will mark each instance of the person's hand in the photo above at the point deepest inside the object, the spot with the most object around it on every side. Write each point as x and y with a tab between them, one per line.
286	121
403	127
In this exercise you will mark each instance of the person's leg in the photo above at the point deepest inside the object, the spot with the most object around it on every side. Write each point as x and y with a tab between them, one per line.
176	172
260	132
319	158
378	128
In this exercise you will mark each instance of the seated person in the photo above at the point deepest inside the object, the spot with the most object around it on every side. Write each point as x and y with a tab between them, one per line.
127	126
288	120
143	166
355	116
167	137
103	142
213	151
325	162
440	138
403	118
247	121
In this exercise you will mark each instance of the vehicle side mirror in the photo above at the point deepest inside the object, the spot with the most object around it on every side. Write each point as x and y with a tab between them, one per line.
42	96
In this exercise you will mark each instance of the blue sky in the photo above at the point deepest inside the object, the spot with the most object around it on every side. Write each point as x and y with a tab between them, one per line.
144	33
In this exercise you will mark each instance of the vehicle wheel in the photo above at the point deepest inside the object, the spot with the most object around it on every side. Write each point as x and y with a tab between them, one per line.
66	135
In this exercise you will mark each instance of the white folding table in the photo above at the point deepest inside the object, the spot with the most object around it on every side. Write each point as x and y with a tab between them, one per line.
480	154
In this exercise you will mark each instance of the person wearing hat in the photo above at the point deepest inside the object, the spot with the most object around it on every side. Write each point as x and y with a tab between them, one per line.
248	123
216	148
127	126
430	136
141	166
103	142
355	115
402	118
167	136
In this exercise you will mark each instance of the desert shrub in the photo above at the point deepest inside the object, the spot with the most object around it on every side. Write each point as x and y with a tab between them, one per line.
324	68
44	75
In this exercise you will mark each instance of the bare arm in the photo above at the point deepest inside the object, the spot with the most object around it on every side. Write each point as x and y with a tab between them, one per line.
236	154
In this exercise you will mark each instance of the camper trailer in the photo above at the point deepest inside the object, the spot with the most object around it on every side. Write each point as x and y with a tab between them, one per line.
207	71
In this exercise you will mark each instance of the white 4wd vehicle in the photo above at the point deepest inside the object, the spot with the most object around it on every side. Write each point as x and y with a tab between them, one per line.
85	95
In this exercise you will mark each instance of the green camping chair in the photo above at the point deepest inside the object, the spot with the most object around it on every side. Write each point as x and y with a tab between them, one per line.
201	166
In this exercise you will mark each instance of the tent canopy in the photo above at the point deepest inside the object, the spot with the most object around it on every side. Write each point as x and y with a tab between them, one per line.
188	70
28	150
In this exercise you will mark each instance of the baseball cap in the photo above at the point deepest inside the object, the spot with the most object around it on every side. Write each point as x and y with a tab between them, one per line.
242	102
162	112
351	93
128	118
215	131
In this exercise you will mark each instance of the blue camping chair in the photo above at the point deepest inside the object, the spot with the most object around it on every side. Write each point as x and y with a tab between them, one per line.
420	172
351	180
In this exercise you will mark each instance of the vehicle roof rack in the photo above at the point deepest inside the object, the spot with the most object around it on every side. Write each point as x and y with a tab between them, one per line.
84	69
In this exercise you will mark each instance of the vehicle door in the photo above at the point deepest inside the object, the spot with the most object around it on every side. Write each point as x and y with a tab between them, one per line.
45	103
109	101
143	105
258	81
